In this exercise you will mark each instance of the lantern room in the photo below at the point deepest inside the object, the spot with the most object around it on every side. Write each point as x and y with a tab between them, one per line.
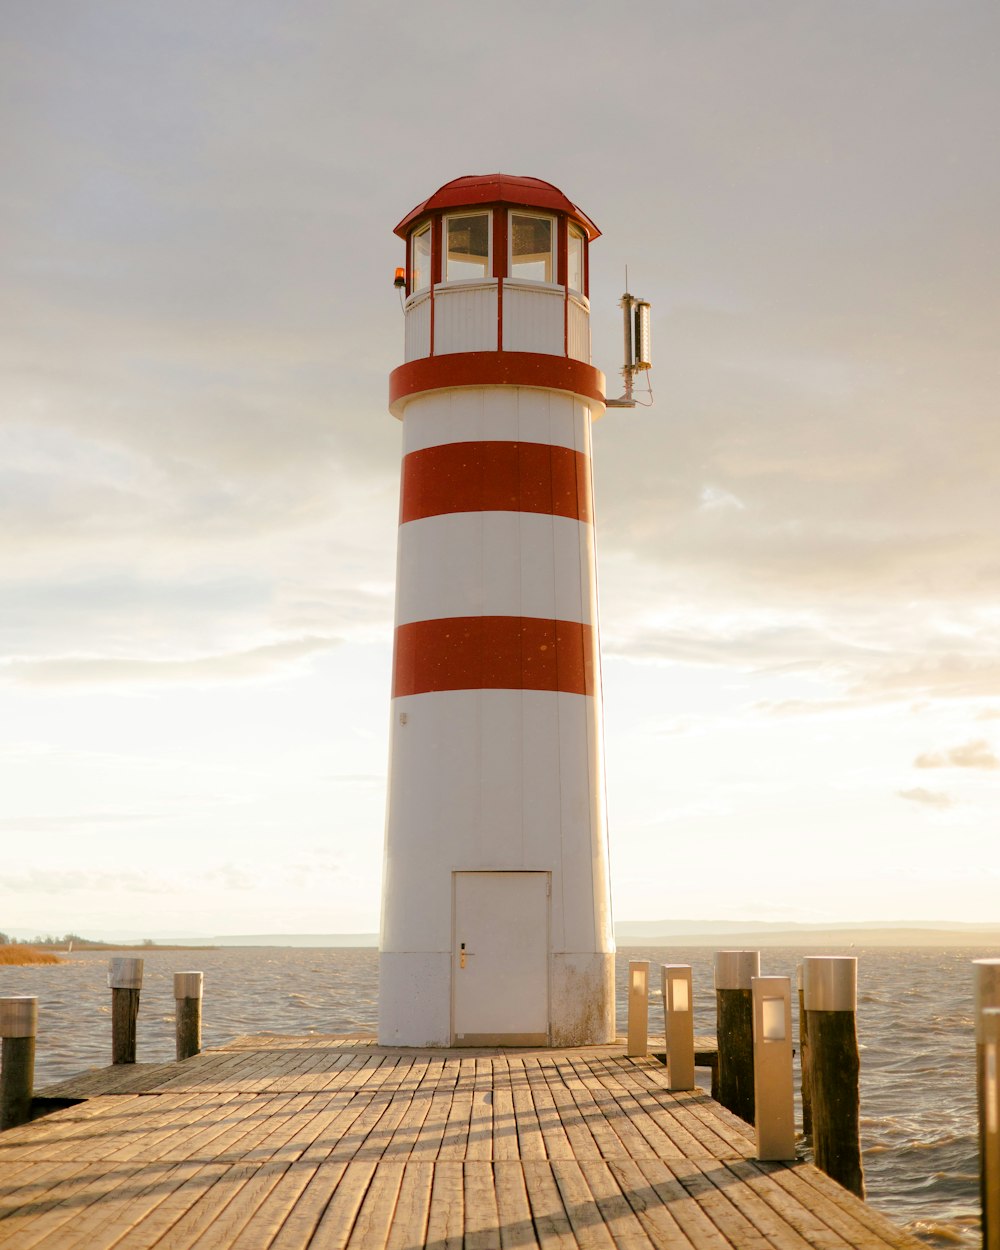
496	262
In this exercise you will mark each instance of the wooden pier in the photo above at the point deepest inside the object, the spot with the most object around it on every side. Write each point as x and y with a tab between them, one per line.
283	1143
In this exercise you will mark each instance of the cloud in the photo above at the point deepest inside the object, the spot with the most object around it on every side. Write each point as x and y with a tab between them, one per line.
929	798
259	662
978	754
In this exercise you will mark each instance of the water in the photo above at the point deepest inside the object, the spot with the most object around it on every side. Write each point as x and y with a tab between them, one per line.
915	1026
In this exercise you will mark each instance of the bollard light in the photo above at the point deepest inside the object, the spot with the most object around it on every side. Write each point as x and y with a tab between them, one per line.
680	994
772	1014
638	1007
774	1119
678	1021
988	1091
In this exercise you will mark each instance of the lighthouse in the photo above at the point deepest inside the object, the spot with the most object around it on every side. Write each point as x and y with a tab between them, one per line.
496	910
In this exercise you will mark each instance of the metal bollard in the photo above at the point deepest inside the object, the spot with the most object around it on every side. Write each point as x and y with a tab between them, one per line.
774	1121
678	1022
804	1058
18	1027
638	1008
988	1028
125	981
830	991
734	973
987	999
188	988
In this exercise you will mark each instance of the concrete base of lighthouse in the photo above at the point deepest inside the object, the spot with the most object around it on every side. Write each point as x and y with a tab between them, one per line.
416	996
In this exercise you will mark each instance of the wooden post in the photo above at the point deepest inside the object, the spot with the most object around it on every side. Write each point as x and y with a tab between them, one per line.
678	1024
734	973
638	1008
774	1084
830	991
18	1026
125	980
807	1106
987	998
187	999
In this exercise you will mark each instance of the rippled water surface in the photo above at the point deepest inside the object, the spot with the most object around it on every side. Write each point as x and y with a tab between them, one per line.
914	1023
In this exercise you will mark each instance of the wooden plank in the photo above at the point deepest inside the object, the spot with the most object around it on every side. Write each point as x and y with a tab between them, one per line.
728	1219
652	1208
859	1225
589	1229
531	1144
481	1214
548	1214
691	1219
187	1232
517	1228
300	1223
573	1114
334	1228
446	1216
371	1228
67	1193
456	1133
809	1226
336	1131
409	1223
194	1179
557	1145
614	1207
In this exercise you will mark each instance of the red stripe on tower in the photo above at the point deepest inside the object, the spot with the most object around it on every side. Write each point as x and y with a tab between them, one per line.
495	477
493	653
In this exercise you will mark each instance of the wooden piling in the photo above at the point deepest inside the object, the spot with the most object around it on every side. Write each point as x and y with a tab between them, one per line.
804	1057
638	1008
986	973
125	981
734	973
18	1026
187	999
830	992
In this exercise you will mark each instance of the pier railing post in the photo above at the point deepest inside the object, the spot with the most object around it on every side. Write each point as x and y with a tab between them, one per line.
774	1094
18	1026
125	981
678	1022
987	1000
830	991
804	1060
638	1008
188	988
734	973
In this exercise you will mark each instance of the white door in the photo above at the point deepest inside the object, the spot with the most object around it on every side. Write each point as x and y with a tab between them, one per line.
500	959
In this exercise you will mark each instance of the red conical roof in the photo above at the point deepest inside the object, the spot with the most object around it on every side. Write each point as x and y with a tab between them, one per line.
475	189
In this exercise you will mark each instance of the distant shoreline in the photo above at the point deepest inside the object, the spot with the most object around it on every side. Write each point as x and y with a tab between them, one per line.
720	935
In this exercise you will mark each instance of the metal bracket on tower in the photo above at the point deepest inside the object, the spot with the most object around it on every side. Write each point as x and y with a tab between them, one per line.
636	324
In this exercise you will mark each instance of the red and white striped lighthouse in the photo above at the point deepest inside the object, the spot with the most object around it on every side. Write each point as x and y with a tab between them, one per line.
496	913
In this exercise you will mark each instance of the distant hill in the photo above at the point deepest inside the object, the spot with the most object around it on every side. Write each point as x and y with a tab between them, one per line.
751	934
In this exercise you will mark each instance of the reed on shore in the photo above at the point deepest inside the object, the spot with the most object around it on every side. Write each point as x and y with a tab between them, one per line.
26	955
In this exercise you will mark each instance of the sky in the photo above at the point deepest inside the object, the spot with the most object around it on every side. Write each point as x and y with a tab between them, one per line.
797	542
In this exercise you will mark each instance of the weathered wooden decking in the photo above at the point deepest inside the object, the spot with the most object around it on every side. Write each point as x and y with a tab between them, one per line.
285	1143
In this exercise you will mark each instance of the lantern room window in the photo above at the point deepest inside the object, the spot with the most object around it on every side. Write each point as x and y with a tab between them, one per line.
532	247
467	247
420	258
574	259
